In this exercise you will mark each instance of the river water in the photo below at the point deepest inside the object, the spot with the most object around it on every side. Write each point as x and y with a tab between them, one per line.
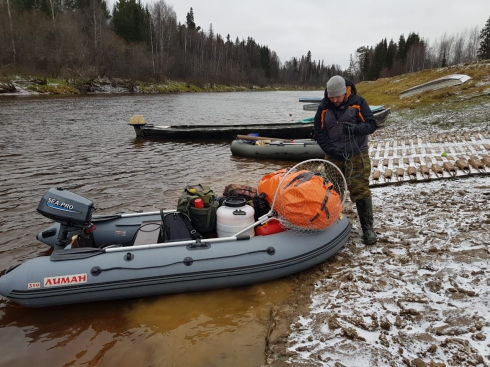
84	144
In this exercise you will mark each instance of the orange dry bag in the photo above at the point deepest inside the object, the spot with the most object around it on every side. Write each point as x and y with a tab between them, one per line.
305	199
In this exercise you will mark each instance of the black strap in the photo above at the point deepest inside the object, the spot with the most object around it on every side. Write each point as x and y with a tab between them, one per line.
195	234
324	206
302	177
325	201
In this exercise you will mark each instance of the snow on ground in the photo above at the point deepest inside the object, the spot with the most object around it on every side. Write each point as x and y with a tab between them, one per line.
419	297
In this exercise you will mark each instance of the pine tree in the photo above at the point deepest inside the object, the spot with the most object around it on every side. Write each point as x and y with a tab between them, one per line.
128	17
365	56
484	49
378	60
265	60
390	54
191	25
352	71
402	48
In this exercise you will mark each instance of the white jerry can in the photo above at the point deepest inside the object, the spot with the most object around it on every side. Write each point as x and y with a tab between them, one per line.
233	216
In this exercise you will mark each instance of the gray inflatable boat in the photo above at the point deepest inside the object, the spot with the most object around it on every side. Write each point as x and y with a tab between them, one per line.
123	259
297	150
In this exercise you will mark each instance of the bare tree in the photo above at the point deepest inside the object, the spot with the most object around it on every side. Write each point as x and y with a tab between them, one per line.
161	13
444	50
96	18
164	23
12	31
458	49
354	70
471	48
52	5
150	25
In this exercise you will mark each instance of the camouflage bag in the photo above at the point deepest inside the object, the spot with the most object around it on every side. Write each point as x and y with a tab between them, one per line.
242	191
256	201
202	218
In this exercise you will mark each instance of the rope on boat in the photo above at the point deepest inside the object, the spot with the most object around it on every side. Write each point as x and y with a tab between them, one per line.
187	261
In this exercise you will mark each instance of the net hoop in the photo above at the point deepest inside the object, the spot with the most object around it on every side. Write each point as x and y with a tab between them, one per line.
326	170
343	193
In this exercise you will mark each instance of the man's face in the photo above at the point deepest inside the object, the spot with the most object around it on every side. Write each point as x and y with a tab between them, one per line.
337	100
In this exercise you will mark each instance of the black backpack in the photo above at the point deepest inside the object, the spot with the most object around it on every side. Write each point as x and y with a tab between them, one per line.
176	226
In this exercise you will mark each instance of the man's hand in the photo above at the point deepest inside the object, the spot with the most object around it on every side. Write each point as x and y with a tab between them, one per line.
334	153
348	128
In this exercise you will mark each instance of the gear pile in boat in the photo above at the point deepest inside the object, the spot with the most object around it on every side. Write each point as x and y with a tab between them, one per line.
132	255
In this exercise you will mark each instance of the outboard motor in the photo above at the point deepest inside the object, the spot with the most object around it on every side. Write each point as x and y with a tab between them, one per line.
72	211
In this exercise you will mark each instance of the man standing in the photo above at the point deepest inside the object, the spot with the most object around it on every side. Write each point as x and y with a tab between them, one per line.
342	125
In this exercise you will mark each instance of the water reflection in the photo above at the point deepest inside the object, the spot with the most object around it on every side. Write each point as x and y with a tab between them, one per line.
85	145
196	329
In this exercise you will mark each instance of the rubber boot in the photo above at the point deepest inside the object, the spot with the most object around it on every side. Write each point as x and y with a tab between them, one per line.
365	212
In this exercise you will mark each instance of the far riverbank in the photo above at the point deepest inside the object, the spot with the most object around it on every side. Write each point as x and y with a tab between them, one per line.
35	85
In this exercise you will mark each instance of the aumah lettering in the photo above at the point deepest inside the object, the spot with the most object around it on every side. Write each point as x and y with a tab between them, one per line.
65	280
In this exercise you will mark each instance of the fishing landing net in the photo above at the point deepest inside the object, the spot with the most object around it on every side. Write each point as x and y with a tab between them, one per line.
306	198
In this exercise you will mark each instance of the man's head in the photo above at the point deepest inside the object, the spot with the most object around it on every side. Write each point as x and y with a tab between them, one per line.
336	90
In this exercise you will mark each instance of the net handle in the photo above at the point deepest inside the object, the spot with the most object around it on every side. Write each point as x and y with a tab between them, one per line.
344	194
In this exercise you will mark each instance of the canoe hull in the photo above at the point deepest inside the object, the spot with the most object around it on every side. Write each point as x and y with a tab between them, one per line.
296	130
140	272
224	132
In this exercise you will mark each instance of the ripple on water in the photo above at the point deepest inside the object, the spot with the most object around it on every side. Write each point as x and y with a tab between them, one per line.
84	144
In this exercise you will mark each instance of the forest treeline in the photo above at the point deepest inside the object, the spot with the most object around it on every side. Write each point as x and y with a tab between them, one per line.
85	39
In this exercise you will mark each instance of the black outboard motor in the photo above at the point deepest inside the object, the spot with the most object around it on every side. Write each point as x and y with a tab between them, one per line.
72	211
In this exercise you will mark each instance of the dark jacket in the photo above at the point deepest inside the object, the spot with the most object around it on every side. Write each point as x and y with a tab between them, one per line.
329	119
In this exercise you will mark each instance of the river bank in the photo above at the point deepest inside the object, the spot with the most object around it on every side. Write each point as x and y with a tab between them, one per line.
35	85
420	296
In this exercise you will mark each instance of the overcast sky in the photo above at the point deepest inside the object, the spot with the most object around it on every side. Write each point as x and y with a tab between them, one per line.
331	30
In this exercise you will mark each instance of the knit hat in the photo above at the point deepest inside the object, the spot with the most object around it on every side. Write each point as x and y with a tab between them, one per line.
336	86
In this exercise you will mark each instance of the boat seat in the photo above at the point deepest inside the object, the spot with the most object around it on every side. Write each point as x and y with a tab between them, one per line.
148	233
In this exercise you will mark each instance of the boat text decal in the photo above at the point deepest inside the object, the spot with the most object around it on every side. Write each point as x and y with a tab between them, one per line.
61	205
65	280
33	285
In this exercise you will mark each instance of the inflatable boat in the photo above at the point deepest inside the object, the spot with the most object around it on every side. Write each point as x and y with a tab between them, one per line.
295	150
121	256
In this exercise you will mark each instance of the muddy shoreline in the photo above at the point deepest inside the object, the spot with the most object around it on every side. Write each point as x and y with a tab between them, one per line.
419	297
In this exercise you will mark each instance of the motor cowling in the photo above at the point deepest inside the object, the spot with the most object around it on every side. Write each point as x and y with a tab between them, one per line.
72	211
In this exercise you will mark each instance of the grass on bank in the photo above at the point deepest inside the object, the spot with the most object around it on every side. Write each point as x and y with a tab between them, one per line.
79	86
387	90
